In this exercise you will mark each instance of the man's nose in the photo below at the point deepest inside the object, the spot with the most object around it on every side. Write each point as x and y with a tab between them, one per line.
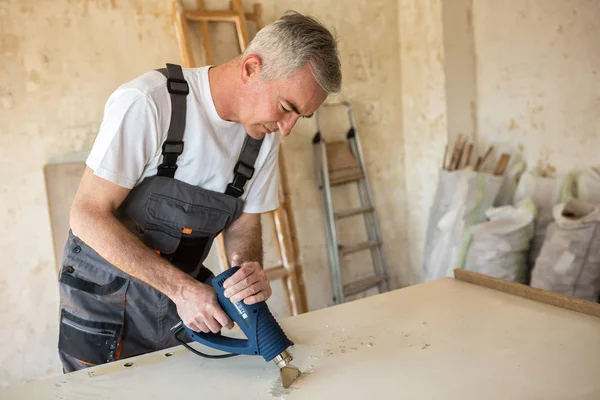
286	124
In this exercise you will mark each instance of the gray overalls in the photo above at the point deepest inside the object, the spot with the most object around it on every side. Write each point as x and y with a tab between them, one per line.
106	314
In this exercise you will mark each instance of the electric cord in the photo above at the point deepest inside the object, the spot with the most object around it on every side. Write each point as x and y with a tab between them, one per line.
190	348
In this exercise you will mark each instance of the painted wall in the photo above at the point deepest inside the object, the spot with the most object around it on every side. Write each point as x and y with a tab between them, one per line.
424	114
58	64
538	80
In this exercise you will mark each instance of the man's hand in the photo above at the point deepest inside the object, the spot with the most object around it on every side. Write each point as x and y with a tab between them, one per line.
199	309
249	283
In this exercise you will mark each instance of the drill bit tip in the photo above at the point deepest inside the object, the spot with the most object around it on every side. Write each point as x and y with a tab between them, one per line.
289	374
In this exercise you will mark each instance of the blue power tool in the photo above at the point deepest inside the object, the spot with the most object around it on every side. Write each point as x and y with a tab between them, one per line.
264	335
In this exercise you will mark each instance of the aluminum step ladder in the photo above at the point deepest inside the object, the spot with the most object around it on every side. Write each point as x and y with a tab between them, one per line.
339	163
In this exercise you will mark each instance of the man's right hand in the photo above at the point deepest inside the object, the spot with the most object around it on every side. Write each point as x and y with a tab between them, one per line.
199	309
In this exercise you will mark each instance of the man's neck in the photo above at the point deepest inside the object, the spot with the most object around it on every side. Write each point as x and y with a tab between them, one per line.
223	80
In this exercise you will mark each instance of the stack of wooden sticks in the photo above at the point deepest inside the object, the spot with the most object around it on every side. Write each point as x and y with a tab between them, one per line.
462	154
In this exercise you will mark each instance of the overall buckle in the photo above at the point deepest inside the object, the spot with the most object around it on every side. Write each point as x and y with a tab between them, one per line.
244	170
172	147
178	86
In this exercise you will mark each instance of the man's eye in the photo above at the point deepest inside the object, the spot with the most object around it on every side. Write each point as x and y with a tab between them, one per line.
284	109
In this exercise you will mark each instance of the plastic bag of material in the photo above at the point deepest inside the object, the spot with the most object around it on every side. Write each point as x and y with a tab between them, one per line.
509	185
499	246
545	193
569	262
461	199
588	185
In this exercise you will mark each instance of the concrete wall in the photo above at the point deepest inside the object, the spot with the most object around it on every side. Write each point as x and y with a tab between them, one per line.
538	80
58	64
424	114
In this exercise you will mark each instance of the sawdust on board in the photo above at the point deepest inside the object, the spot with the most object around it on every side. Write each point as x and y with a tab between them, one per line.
278	391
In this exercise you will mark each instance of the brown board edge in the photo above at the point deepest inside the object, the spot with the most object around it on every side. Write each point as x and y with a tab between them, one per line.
528	292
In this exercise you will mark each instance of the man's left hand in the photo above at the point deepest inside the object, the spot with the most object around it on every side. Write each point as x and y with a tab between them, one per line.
249	283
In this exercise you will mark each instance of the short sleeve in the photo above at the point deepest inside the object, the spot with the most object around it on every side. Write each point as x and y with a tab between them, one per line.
128	138
263	192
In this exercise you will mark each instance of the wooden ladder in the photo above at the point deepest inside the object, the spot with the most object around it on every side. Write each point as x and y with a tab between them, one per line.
289	268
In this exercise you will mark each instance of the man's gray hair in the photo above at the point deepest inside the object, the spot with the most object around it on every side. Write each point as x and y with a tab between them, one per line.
294	40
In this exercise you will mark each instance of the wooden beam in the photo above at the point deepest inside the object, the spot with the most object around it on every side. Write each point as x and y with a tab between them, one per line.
518	289
183	34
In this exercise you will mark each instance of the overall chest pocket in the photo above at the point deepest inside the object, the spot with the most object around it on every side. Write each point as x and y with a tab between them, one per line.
182	216
182	231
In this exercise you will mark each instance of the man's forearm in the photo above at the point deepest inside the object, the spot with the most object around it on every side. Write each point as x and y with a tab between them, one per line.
244	236
113	241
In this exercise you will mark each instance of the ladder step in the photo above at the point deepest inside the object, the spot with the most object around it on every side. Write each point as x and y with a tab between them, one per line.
343	166
358	247
363	284
341	177
353	212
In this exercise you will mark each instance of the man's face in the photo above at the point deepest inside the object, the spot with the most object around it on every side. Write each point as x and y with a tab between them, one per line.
270	106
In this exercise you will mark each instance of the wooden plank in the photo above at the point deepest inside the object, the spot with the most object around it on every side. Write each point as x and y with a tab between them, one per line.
352	212
481	162
241	26
209	57
219	16
345	250
459	159
455	153
445	339
285	199
502	163
62	181
518	289
363	284
183	34
467	158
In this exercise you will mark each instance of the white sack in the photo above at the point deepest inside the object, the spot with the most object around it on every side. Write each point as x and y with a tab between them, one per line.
569	262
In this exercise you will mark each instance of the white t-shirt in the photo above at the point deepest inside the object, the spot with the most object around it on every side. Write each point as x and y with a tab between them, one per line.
136	122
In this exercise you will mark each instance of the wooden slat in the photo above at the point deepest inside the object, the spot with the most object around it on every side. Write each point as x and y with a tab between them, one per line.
363	284
256	16
240	24
460	155
183	34
353	212
345	250
468	155
220	16
481	162
276	272
209	58
342	165
339	156
502	163
345	177
289	264
518	289
211	16
62	181
455	153
286	203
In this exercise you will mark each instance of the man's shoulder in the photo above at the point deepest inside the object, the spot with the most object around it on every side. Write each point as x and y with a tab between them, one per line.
154	80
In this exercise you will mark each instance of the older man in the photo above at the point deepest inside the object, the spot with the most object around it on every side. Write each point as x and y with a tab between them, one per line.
177	161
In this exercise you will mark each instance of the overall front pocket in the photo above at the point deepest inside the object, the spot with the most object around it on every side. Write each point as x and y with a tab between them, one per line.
92	314
91	342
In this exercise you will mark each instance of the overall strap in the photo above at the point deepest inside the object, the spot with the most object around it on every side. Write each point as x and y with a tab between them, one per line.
244	169
173	146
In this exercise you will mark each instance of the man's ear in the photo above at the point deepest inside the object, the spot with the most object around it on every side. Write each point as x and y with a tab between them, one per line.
251	68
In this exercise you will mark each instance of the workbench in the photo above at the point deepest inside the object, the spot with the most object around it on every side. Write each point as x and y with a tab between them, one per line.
445	339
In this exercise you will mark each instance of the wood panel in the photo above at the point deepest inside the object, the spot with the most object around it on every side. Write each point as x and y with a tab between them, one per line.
62	180
445	339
